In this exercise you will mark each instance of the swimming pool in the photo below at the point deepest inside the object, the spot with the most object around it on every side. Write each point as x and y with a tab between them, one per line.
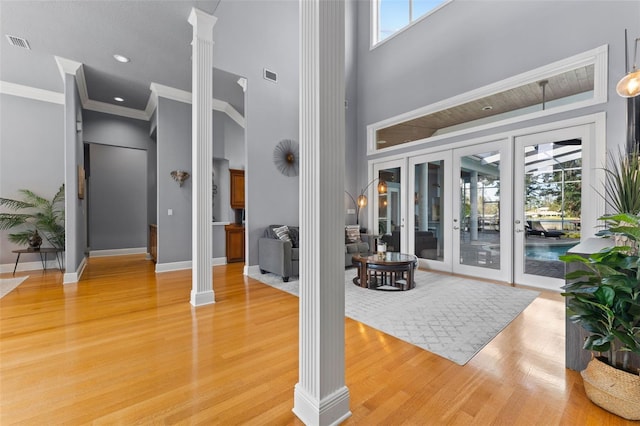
546	252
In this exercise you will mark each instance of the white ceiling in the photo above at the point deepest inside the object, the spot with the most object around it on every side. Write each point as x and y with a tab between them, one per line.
154	34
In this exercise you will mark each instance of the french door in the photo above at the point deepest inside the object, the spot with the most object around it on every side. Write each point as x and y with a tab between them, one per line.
552	178
390	208
481	213
503	210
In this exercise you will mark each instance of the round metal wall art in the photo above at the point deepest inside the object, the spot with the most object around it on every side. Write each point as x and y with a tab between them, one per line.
285	157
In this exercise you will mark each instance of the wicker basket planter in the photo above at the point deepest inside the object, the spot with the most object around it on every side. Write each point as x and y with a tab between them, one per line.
614	390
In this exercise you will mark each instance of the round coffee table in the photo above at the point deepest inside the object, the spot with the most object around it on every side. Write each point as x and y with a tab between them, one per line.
392	271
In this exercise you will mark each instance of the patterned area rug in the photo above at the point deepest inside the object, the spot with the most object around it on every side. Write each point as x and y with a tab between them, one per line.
450	316
8	284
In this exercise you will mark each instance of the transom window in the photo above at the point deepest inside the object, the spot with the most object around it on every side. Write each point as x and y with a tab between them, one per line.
392	16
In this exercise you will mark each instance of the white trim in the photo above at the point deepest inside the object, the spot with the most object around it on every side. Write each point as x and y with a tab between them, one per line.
117	252
218	261
251	270
122	111
34	93
67	66
597	56
173	266
28	266
373	39
159	90
74	277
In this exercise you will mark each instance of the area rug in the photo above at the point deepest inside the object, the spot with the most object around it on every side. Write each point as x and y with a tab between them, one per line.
453	317
8	284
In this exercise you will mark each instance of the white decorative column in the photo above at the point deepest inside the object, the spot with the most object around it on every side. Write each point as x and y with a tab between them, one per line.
320	396
202	155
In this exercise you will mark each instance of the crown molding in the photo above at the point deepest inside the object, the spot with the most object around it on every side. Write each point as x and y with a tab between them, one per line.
159	90
106	108
34	93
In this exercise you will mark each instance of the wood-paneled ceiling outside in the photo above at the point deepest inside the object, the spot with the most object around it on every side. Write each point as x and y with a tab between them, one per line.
558	87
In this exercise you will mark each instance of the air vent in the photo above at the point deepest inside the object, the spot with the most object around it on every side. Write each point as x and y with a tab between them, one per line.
270	75
18	42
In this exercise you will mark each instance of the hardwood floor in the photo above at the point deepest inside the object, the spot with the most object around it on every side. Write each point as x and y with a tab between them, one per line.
124	346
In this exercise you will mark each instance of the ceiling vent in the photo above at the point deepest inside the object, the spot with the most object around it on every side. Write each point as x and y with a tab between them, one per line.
270	75
18	42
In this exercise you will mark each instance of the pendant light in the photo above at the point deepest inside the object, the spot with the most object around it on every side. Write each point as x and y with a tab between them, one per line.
629	85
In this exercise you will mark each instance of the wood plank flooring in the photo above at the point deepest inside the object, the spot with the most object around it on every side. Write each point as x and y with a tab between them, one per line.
124	346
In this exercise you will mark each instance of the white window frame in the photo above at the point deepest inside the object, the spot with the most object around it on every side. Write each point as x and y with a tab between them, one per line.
597	57
375	22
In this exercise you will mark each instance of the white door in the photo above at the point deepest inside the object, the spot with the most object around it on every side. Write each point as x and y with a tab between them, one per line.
552	178
481	212
429	236
390	208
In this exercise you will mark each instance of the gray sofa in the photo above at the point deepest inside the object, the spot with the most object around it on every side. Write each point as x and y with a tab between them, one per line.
283	257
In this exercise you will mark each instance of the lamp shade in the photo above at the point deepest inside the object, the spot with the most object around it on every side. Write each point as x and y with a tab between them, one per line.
382	187
362	200
629	86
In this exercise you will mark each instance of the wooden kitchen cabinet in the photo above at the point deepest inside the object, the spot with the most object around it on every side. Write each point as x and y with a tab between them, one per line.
237	188
235	242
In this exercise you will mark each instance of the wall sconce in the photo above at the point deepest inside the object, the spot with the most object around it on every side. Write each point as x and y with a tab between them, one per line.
629	85
362	199
180	176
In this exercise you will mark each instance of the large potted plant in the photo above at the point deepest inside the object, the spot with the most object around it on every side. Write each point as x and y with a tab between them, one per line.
35	217
604	299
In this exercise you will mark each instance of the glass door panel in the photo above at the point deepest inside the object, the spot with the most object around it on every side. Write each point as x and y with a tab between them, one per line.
483	187
390	206
430	236
548	204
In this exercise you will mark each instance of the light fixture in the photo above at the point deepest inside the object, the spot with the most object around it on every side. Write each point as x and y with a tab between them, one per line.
487	108
121	58
362	200
543	86
629	85
180	176
118	99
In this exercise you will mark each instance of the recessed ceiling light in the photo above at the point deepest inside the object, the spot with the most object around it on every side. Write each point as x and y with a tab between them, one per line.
118	99
121	58
487	108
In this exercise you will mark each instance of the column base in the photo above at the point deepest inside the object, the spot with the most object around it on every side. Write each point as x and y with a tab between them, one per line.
333	410
204	298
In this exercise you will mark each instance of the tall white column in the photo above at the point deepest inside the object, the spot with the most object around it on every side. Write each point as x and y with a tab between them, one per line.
320	396
202	155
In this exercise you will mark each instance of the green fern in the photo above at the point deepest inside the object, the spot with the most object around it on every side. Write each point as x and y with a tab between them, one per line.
45	216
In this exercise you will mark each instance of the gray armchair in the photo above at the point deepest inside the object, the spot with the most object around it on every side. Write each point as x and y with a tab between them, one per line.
277	256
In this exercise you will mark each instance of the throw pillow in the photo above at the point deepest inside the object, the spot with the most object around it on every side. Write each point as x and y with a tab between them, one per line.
282	233
352	233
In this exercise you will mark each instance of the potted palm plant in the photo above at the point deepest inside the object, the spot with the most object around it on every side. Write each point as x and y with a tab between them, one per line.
35	217
604	299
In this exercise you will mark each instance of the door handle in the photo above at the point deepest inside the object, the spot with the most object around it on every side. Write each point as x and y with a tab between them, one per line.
519	230
456	227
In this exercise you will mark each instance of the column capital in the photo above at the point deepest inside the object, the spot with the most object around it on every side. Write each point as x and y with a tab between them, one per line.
202	24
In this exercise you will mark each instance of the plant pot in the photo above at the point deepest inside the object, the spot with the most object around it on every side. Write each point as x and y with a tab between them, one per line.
35	240
616	391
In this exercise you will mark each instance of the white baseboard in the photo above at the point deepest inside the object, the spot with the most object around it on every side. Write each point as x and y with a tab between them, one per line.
173	266
251	270
29	266
217	261
117	252
74	277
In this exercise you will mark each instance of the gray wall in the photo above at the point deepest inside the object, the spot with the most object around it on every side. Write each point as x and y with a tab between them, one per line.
112	130
31	154
173	153
467	45
271	109
118	197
